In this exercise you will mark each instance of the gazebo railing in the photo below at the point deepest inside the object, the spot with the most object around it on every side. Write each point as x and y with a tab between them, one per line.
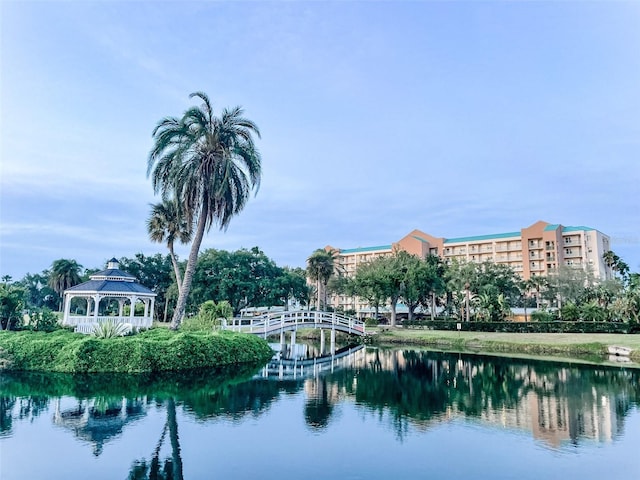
135	322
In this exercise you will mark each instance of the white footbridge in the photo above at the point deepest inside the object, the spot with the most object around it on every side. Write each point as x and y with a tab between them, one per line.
280	322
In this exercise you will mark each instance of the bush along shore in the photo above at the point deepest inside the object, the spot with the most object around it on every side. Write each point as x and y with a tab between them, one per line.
155	350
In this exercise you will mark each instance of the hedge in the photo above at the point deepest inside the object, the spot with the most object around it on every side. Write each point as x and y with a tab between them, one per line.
527	327
155	350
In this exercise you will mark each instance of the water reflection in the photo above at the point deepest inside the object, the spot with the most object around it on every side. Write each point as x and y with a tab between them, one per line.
96	421
408	390
556	403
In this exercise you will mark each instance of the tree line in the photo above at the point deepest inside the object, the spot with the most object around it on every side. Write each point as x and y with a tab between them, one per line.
478	291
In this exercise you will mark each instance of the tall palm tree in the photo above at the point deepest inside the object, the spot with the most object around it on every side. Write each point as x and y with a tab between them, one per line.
210	165
167	223
64	274
320	267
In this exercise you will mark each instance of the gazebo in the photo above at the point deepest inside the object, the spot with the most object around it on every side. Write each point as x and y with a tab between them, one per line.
99	293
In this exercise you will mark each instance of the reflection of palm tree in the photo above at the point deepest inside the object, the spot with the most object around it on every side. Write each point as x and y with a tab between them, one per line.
171	467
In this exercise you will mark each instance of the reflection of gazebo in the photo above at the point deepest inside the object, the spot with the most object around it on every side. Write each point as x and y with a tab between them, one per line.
99	291
97	424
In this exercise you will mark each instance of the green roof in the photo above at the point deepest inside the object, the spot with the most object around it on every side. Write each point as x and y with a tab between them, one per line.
365	249
482	237
579	228
418	238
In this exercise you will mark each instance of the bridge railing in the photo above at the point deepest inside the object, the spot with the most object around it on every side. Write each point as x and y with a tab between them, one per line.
275	321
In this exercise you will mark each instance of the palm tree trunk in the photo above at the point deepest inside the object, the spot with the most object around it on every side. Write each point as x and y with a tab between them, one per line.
166	307
178	314
318	288
173	437
176	267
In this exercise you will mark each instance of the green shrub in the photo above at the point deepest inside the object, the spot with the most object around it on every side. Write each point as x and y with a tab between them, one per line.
570	312
370	322
42	320
150	351
543	316
209	316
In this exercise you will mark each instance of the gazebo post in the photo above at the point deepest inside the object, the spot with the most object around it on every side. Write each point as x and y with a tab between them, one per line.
96	307
67	307
132	311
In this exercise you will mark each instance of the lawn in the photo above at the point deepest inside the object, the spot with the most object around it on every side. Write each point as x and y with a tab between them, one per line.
534	343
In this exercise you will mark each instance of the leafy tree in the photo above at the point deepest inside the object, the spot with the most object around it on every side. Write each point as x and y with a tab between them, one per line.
394	270
420	281
570	284
64	274
458	278
11	305
290	284
210	165
166	222
37	291
369	283
243	278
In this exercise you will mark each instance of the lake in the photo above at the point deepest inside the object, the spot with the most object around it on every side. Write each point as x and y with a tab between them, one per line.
363	413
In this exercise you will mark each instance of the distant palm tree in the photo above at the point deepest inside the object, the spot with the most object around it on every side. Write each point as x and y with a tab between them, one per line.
615	263
64	274
167	223
320	267
210	165
537	283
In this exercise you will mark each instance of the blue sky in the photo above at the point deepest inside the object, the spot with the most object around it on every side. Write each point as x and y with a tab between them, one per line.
456	118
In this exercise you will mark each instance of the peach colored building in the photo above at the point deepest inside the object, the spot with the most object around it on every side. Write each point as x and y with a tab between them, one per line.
534	250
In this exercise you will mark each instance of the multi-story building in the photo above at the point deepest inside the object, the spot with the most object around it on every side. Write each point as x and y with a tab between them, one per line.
535	250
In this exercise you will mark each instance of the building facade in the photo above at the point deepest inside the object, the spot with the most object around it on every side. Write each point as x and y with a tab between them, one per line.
538	249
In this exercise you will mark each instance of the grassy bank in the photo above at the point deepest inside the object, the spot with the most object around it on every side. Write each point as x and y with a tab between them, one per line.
156	350
528	343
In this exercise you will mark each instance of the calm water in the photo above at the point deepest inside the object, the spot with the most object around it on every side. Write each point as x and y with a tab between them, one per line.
369	414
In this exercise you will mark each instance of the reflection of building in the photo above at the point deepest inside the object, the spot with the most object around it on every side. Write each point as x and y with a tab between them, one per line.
557	405
96	422
535	250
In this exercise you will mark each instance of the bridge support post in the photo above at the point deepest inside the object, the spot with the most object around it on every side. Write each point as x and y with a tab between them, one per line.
333	341
322	342
293	339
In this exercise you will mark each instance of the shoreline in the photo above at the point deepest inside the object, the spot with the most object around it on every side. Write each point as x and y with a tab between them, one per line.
556	346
